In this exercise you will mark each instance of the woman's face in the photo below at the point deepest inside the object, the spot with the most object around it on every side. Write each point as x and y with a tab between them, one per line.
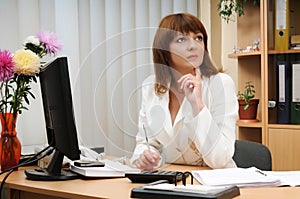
186	52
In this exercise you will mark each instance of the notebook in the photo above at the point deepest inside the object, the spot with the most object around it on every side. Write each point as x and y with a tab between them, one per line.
162	189
111	169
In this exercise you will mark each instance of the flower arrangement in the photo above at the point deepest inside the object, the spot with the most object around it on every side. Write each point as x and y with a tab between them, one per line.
18	70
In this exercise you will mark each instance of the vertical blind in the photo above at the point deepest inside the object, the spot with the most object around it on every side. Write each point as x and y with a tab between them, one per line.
108	45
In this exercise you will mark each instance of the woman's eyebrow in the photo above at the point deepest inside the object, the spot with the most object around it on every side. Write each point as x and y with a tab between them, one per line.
180	34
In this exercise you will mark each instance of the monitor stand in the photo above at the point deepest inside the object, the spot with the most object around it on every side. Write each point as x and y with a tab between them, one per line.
44	175
54	170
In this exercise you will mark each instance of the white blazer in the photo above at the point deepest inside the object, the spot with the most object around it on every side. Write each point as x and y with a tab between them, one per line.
206	139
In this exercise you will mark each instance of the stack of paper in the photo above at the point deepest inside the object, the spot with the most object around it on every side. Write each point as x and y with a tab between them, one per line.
250	177
111	169
287	178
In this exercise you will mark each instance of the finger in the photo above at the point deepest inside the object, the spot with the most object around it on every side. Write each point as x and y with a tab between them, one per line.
143	166
156	158
149	158
143	163
185	81
189	83
182	78
139	164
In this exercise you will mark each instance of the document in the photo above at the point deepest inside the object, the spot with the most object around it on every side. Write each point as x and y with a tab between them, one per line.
111	169
241	177
287	178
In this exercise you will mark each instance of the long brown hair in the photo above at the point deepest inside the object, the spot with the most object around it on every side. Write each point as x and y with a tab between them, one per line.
168	28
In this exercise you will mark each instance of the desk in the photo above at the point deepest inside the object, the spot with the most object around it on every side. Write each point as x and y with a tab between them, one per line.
18	187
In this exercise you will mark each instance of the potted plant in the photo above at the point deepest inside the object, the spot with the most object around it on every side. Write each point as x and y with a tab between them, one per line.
227	8
247	104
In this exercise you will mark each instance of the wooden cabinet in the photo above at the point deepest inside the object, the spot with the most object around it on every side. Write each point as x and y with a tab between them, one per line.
260	67
285	147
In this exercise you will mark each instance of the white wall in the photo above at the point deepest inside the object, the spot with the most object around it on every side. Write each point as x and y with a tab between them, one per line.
98	37
108	44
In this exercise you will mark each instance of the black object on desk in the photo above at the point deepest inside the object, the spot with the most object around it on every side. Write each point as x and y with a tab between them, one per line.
222	193
152	176
89	164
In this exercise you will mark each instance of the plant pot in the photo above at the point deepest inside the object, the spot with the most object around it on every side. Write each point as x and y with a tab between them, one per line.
250	113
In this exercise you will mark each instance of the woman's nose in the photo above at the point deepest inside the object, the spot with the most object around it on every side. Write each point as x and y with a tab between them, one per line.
191	44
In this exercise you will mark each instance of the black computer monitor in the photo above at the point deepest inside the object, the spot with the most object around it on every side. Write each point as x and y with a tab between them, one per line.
60	121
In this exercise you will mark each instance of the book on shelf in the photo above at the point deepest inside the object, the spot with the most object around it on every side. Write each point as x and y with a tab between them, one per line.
295	42
295	46
282	25
295	98
295	39
283	76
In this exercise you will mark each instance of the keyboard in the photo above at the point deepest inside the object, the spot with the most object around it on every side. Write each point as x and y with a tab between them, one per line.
152	176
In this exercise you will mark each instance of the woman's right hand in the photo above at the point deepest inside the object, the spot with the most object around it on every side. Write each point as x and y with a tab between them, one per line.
147	160
191	84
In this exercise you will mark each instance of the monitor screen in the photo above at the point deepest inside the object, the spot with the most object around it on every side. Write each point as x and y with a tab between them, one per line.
59	119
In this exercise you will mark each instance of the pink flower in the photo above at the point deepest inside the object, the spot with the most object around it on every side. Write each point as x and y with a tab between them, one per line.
6	65
50	41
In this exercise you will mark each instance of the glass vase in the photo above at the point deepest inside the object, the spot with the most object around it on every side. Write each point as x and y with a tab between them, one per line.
10	146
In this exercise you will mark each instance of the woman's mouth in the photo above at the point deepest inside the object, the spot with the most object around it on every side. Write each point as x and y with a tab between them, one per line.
192	57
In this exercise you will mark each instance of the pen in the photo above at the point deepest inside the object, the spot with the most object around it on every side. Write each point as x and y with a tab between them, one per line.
146	137
262	173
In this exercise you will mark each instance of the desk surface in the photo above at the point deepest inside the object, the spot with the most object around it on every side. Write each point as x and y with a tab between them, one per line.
121	187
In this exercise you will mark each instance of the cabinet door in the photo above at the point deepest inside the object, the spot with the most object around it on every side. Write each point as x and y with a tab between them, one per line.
285	149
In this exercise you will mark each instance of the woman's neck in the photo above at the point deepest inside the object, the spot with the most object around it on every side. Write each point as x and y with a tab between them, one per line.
176	96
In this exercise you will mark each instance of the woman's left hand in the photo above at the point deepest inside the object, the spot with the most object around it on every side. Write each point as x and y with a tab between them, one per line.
192	87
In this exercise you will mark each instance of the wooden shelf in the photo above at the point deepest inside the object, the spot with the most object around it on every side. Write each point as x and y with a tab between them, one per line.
241	123
283	51
284	126
260	67
244	54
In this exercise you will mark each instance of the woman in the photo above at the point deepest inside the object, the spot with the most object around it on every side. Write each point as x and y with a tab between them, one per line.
189	109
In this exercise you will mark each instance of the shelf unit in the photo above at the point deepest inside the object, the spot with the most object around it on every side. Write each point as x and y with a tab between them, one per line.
260	68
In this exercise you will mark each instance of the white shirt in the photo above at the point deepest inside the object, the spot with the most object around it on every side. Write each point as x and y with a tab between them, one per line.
206	139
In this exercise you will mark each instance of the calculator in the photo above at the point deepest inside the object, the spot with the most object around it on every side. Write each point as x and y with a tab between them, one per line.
152	176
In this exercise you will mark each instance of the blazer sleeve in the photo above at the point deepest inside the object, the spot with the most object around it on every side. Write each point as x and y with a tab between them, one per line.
141	144
213	129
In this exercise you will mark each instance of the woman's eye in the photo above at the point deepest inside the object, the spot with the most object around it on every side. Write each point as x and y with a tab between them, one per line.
180	40
199	38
